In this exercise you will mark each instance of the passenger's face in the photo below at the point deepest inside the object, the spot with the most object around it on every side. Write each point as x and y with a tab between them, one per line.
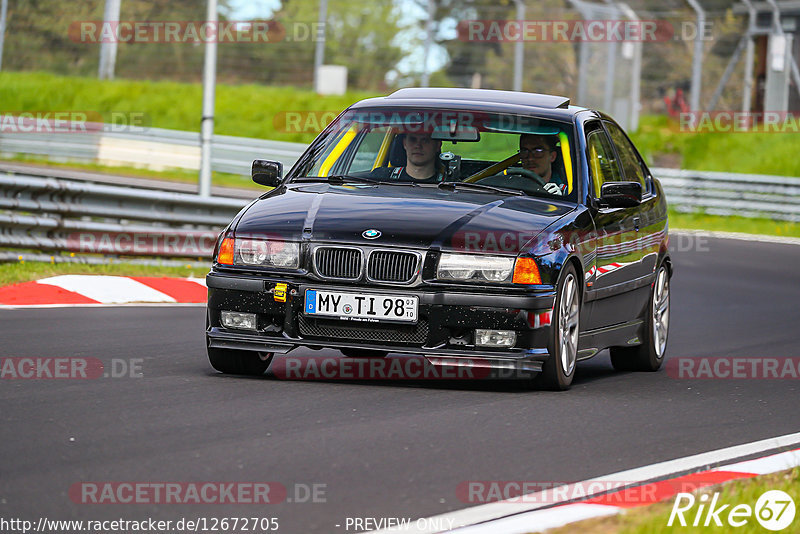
536	156
420	148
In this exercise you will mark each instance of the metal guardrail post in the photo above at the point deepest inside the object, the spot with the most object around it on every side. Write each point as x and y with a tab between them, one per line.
207	121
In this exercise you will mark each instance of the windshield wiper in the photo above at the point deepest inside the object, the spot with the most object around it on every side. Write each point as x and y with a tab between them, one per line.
482	187
338	179
348	178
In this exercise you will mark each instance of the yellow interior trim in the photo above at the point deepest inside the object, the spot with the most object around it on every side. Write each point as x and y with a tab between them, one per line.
494	168
595	163
340	147
567	159
383	151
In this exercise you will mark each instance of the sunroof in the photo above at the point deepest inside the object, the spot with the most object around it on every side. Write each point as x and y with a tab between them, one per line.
482	95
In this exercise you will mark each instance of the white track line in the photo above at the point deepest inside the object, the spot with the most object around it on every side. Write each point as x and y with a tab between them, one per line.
632	477
738	235
766	465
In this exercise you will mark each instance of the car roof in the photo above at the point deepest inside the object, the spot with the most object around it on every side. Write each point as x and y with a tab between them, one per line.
546	106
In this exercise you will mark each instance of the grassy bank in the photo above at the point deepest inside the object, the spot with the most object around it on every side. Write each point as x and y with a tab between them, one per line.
664	145
241	110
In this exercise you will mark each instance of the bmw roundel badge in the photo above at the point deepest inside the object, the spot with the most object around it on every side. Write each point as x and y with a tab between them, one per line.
372	233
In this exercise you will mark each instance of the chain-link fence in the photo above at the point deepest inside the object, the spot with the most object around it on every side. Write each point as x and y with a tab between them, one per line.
381	42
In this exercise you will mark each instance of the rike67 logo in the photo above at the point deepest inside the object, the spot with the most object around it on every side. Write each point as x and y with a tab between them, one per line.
774	510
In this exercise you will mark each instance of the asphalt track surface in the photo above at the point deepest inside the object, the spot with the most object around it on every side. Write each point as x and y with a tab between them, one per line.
382	449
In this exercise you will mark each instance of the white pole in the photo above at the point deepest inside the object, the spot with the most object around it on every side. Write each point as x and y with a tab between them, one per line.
776	21
697	55
108	50
3	11
636	73
319	51
519	51
748	59
207	124
428	43
611	64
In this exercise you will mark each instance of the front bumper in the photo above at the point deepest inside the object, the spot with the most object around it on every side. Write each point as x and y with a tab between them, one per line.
444	332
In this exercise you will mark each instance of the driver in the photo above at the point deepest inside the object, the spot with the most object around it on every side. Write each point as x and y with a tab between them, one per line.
538	153
422	160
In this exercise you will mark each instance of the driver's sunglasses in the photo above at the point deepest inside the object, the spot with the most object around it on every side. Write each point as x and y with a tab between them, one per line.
537	152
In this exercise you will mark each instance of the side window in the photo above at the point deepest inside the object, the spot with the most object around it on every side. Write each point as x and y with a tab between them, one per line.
634	171
364	157
602	165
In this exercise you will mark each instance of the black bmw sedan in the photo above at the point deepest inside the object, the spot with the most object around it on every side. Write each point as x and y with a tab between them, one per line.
468	227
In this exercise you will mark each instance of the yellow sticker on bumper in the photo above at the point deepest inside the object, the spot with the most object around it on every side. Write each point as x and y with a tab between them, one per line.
279	293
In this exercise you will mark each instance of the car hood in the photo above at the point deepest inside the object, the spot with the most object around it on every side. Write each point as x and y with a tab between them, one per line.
405	216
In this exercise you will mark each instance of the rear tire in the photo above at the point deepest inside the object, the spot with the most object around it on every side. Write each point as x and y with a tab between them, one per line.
650	354
239	362
559	369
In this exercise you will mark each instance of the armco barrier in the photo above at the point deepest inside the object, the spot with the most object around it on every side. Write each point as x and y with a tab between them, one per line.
47	214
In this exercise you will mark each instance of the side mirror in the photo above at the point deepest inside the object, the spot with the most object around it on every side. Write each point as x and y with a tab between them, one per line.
621	194
266	172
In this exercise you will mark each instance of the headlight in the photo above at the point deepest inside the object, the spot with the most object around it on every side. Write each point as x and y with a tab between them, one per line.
281	254
476	268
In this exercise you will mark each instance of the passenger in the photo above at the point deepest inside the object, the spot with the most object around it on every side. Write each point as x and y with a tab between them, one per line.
538	153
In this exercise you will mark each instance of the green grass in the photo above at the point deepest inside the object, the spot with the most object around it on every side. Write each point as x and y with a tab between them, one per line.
663	145
14	273
241	110
653	519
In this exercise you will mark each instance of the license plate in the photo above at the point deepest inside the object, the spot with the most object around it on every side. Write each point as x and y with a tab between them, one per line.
361	306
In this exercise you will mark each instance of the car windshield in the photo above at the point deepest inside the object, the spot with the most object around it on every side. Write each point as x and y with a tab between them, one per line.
508	154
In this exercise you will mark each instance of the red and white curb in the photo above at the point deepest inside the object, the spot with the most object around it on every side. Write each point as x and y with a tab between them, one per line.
74	290
536	512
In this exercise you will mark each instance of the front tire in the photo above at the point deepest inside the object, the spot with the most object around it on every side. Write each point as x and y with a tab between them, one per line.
559	370
239	362
650	354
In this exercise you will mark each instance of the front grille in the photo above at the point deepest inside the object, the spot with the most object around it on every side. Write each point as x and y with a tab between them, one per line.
338	262
392	266
416	334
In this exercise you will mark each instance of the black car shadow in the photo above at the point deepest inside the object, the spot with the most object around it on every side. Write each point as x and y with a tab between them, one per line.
597	368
